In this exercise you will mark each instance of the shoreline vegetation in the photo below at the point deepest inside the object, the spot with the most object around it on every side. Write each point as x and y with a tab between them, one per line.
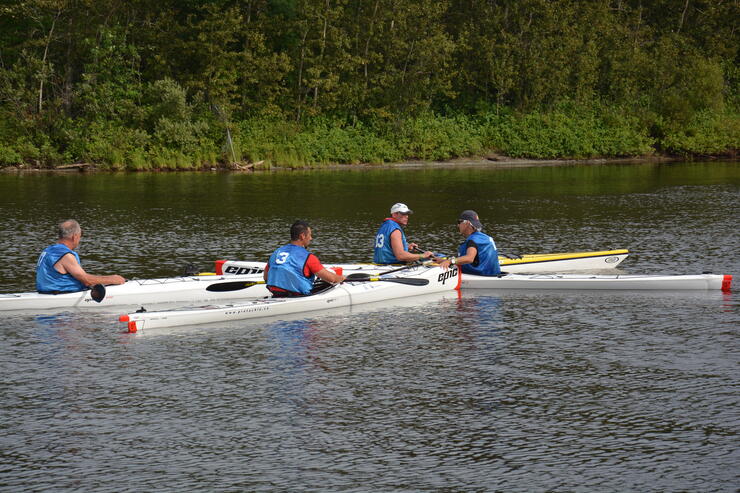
272	84
563	136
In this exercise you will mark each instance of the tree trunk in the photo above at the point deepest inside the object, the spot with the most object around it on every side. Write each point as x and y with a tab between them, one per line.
367	45
299	91
43	60
683	16
321	53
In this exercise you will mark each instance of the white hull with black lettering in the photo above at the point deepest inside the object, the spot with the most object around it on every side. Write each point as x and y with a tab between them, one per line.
385	288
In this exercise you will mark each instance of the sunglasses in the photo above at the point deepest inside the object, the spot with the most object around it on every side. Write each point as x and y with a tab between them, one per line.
460	221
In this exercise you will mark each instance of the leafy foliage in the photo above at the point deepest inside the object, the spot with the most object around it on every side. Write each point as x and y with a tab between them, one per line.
136	84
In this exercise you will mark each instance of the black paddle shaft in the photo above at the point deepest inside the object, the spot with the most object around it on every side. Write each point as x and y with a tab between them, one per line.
360	277
231	286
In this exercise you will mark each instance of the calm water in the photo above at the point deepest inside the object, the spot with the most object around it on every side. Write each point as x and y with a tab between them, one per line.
495	390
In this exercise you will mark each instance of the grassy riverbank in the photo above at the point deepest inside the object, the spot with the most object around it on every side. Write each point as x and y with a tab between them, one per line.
568	131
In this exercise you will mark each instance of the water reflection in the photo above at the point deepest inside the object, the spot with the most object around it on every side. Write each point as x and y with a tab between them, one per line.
671	216
297	346
493	390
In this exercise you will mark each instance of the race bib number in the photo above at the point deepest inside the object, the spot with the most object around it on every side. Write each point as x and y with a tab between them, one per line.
282	258
379	241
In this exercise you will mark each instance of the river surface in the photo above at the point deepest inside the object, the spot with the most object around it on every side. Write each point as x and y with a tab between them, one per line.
489	391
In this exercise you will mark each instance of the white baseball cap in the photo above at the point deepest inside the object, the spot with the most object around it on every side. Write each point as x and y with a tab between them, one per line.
402	208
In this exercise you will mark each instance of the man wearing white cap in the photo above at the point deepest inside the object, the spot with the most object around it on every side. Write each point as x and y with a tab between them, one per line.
477	254
391	246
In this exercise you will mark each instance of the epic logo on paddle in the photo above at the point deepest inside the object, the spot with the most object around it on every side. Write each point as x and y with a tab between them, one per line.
450	273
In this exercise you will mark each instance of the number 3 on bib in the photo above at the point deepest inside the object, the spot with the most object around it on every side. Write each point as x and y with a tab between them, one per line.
282	258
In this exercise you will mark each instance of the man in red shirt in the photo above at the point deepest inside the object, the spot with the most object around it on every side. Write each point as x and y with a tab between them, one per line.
292	270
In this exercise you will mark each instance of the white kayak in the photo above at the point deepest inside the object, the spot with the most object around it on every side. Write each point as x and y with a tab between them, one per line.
412	281
191	289
589	282
546	262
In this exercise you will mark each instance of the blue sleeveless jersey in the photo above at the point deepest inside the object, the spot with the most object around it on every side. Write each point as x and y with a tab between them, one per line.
47	277
286	269
383	251
486	261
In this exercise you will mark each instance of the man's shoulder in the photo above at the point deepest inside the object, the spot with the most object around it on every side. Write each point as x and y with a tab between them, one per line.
288	246
58	247
59	251
70	256
312	257
313	263
393	226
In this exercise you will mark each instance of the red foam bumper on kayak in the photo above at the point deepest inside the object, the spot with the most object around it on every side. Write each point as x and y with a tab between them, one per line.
727	283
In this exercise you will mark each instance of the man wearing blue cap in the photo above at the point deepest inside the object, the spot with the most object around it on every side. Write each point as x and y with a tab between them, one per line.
391	246
477	254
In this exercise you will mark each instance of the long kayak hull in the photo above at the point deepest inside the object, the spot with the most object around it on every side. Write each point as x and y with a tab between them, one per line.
536	263
700	282
191	289
349	293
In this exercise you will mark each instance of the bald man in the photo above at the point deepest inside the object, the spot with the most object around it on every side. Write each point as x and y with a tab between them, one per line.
58	269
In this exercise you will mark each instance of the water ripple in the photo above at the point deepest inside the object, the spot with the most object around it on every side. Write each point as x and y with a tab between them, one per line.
496	390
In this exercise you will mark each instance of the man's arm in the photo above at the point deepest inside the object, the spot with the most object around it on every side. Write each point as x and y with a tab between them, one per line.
329	276
313	265
468	258
68	264
403	255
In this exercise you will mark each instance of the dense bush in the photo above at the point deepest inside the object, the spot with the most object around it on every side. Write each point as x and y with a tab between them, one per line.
706	134
569	131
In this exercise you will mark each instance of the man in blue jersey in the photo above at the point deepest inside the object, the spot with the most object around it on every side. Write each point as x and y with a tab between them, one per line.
391	246
477	254
58	269
292	270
